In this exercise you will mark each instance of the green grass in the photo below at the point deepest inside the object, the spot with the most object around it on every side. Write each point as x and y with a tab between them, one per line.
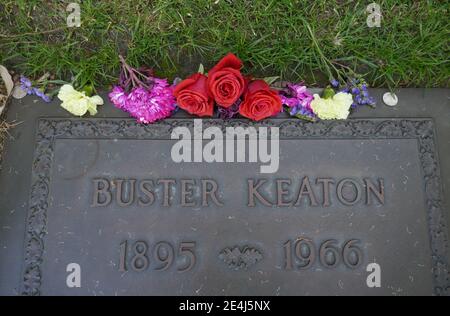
297	40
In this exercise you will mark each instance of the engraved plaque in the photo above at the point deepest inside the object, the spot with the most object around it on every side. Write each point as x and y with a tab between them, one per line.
107	196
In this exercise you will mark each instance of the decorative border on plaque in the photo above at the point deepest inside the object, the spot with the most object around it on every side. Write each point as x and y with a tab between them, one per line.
51	129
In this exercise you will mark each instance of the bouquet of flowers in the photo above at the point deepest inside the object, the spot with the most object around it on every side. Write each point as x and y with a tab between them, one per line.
227	89
224	88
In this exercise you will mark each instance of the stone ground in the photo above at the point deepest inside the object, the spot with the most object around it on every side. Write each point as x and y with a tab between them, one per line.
18	155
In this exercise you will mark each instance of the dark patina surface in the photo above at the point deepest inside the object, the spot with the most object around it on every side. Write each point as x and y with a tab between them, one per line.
49	218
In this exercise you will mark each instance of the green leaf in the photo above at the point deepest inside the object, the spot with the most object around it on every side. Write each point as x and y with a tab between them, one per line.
271	80
328	93
201	69
58	82
89	89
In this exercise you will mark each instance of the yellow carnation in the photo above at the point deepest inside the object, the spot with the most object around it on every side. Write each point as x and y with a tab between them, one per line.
334	108
78	103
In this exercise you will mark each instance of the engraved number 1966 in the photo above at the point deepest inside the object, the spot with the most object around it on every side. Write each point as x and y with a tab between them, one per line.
301	254
163	255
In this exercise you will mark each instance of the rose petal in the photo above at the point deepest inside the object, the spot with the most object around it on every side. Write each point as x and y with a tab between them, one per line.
196	82
258	85
229	61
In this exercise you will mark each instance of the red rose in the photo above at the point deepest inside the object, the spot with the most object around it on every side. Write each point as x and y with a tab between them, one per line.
260	101
192	96
225	81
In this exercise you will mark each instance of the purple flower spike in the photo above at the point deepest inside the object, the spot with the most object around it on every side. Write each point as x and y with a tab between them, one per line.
26	85
356	91
358	99
297	99
334	83
360	92
46	98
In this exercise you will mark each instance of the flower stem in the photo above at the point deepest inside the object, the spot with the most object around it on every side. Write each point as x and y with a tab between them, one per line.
132	74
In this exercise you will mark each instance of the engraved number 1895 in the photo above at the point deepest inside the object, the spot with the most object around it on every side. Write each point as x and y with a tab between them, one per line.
163	255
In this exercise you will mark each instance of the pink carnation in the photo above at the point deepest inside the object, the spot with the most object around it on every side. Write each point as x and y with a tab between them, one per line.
150	99
118	97
146	105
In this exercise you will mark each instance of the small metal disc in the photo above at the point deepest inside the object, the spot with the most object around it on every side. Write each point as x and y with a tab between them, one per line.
390	99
